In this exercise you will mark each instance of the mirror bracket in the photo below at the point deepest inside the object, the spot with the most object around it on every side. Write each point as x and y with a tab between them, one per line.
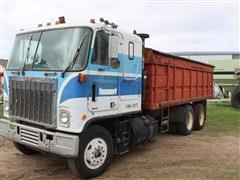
113	47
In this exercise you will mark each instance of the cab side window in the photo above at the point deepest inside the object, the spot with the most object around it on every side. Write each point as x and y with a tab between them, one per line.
131	50
101	46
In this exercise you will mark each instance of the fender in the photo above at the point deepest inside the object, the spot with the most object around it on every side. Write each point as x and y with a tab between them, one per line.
106	118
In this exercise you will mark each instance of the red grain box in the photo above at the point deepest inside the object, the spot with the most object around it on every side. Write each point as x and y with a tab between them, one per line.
173	80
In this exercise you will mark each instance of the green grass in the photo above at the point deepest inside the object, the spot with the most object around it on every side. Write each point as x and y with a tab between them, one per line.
222	118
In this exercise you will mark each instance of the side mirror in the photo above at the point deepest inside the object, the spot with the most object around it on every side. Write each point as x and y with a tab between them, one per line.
113	47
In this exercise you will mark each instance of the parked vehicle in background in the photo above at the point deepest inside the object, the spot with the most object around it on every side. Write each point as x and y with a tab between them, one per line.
227	76
89	91
235	97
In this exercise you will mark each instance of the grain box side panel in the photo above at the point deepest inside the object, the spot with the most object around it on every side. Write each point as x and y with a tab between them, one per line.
173	81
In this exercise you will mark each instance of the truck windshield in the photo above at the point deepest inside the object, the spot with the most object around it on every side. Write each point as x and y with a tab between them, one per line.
50	50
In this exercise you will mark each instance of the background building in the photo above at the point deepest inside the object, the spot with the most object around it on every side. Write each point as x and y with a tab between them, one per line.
208	56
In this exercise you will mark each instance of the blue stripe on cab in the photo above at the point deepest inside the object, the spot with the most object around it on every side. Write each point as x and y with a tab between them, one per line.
75	89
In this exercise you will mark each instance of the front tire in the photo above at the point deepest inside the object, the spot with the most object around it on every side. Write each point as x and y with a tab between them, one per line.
24	149
95	153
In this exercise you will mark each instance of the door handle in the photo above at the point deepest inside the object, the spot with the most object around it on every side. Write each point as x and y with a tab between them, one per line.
101	69
132	78
93	92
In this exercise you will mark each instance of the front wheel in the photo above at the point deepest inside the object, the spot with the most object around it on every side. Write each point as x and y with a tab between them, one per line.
95	153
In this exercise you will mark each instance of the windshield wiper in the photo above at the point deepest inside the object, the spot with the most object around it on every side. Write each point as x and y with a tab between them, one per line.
27	54
71	64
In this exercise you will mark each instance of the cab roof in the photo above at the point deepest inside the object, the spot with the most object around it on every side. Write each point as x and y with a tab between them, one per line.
93	26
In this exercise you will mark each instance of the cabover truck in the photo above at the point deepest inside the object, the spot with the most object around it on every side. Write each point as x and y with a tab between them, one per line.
90	91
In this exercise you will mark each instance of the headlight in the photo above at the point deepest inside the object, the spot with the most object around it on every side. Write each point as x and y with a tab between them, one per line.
64	118
6	108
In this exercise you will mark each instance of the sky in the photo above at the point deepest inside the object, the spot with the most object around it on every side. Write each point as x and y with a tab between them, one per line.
173	26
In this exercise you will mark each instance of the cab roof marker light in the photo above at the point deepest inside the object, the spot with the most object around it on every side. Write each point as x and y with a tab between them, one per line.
48	24
92	21
39	25
62	20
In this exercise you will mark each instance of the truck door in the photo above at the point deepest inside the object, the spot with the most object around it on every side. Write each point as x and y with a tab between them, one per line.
132	66
104	72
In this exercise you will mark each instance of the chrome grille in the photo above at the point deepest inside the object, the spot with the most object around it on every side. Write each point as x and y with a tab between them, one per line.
29	137
32	99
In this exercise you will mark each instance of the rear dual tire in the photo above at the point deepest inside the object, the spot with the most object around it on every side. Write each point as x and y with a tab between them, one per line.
200	116
187	117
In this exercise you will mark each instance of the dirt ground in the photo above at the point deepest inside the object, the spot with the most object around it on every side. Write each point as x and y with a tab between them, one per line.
198	156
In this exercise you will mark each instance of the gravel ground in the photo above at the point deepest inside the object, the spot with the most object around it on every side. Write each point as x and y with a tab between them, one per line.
198	156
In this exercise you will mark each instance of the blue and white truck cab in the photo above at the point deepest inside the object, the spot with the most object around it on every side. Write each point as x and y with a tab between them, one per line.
65	84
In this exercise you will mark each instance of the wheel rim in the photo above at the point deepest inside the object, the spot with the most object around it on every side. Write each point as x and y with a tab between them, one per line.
201	118
189	121
95	153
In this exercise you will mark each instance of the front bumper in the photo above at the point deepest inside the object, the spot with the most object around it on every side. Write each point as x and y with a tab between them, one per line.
53	142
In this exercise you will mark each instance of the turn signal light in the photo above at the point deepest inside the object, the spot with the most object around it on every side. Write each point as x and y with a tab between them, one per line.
82	78
84	117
